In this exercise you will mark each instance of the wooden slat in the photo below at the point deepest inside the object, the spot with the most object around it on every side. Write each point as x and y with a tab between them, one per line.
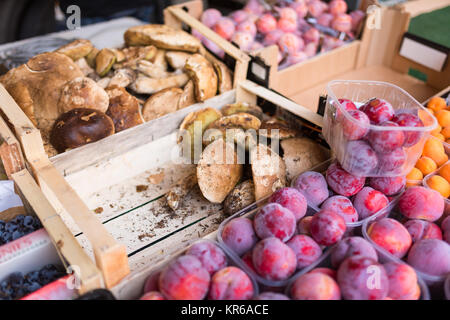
10	152
90	277
286	104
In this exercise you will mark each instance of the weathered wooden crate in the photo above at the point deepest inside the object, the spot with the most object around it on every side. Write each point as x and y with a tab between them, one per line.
35	203
109	193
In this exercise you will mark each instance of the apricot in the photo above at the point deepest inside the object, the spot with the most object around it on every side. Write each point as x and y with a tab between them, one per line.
439	136
414	174
426	165
437	103
433	148
315	286
390	235
446	132
439	184
444	172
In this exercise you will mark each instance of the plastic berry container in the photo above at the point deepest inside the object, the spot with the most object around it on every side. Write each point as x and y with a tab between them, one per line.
374	150
322	168
250	213
325	262
144	280
434	282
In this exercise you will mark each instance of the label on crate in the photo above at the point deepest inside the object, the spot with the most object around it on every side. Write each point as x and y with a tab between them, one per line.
30	242
56	290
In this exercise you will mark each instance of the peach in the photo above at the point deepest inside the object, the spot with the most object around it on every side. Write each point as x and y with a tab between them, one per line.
266	23
421	203
209	254
315	286
300	8
289	43
152	295
291	199
378	110
316	8
287	25
342	22
356	125
273	259
313	186
386	141
327	227
402	281
306	250
254	6
342	206
271	296
388	185
210	17
362	278
445	225
273	220
184	278
325	19
360	158
430	256
328	271
239	236
272	37
390	235
231	283
224	28
409	120
420	229
248	27
393	161
369	201
214	48
243	39
352	246
239	16
342	182
337	7
312	35
303	226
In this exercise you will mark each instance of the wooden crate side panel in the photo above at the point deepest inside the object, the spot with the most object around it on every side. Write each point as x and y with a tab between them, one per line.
307	74
89	276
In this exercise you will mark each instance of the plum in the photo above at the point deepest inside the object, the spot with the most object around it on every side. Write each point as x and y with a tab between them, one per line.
291	199
391	235
342	182
430	256
210	255
342	206
327	227
352	246
315	286
388	185
306	250
421	203
369	201
313	186
274	220
239	235
231	283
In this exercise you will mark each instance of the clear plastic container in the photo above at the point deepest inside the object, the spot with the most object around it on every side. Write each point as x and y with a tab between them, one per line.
435	283
133	286
446	200
322	168
325	262
357	156
250	212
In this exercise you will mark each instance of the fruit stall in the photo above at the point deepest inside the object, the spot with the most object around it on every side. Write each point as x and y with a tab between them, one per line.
287	150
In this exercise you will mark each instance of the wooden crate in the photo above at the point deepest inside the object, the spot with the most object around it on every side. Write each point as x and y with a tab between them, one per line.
376	58
187	14
35	203
123	178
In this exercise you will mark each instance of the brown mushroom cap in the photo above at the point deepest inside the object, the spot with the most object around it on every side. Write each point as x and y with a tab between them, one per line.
83	92
123	108
78	127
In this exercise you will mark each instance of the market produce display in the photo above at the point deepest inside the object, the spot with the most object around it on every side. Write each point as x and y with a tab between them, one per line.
236	181
203	271
17	285
301	29
79	94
